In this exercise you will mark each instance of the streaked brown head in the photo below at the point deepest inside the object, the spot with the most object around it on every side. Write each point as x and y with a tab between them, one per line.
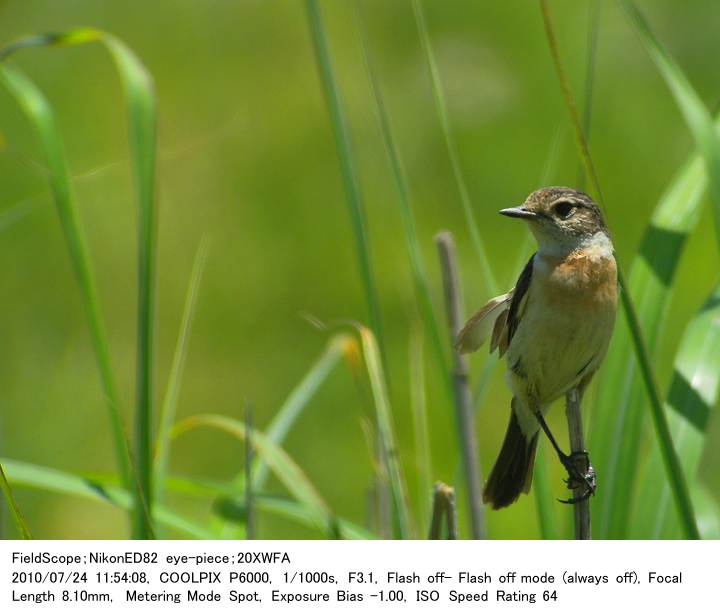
558	214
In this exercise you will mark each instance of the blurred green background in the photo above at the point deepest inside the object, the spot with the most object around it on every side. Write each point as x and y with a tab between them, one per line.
246	157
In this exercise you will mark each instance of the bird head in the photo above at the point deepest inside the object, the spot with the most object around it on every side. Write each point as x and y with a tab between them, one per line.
560	218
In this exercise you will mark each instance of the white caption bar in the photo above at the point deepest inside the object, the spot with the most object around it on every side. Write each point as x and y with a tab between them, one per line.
342	577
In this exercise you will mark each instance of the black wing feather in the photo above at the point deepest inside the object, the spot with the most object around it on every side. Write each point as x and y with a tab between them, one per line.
521	287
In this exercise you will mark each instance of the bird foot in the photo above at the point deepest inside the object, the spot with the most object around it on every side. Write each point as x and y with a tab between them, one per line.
581	476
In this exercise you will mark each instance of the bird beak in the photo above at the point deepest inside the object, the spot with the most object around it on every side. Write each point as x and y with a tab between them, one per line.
519	212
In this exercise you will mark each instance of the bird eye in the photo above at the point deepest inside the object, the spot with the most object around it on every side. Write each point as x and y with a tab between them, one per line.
564	209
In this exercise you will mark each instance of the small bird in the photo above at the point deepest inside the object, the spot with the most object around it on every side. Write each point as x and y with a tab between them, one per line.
554	326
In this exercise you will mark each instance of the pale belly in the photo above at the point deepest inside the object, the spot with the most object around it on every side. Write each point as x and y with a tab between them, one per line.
558	341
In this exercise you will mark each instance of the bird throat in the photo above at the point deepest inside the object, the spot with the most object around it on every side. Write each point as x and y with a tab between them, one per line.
589	268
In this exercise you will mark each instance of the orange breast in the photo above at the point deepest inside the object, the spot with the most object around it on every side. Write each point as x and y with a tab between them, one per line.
584	281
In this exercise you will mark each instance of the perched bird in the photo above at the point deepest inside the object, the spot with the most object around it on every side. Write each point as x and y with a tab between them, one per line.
554	327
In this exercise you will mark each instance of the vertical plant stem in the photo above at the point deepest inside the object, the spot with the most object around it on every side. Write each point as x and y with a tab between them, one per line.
347	169
581	510
463	395
662	430
443	507
249	512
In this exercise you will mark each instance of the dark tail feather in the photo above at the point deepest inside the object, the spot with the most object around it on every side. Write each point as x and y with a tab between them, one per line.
512	473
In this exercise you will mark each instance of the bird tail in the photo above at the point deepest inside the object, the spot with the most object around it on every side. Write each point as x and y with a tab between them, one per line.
513	470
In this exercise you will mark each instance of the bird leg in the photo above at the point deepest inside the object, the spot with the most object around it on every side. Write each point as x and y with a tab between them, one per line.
577	464
583	476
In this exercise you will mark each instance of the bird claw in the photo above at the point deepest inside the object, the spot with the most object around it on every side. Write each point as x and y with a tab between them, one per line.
581	476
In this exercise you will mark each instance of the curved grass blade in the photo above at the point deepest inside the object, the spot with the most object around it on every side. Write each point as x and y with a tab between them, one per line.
441	108
42	118
61	482
140	102
698	120
670	458
347	168
284	468
172	392
693	393
708	512
617	422
417	266
13	506
299	398
293	407
234	511
660	252
227	492
695	113
386	433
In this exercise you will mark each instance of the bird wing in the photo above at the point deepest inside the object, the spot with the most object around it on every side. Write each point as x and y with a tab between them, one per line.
481	324
519	299
499	317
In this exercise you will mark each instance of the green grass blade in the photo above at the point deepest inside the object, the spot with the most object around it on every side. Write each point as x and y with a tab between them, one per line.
690	104
299	399
444	118
662	431
693	393
293	407
347	167
13	506
418	404
23	474
282	465
248	464
234	511
227	493
172	392
708	511
140	103
417	266
704	131
617	422
42	118
592	37
386	433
